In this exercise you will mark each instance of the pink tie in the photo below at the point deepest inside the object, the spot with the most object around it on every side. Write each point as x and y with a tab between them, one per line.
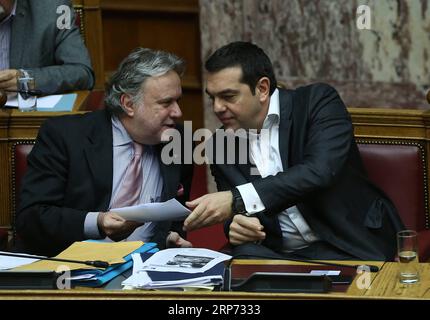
129	193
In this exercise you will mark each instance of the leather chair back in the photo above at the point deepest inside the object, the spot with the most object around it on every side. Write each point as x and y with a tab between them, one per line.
398	167
20	151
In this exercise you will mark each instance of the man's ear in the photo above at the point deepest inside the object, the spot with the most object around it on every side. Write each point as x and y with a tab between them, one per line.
263	89
127	104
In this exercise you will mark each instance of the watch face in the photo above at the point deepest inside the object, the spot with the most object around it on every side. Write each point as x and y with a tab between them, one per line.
239	206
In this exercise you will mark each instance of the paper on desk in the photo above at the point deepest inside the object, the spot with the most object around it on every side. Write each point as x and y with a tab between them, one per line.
325	272
47	102
187	260
156	211
14	262
141	279
112	252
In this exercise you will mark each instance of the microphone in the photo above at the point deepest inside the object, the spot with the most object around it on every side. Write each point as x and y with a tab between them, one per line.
371	268
94	263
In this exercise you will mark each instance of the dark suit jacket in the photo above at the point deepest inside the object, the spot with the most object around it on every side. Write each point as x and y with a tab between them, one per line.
324	176
69	174
57	57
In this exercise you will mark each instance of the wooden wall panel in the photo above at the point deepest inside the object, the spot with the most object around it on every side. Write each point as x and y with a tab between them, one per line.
91	30
168	25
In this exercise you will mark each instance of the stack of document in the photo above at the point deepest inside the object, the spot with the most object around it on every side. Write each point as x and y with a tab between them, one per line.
177	269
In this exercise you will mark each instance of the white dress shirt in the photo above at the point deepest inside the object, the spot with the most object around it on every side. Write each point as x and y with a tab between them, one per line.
264	152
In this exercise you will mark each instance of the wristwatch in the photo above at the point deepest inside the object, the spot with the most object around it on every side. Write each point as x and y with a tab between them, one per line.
238	206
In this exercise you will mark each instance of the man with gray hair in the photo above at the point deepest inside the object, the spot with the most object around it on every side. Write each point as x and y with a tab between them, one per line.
82	166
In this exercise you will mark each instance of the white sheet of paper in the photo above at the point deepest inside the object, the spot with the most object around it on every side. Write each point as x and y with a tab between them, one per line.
12	102
326	272
82	277
14	262
47	102
156	211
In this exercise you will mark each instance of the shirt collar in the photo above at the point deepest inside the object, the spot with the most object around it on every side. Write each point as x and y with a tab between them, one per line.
272	116
14	8
119	134
273	112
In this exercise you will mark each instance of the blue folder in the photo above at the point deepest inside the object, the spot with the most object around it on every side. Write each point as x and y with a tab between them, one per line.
65	104
103	276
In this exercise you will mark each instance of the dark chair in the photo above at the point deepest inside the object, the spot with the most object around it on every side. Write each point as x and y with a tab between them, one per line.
4	238
19	152
399	168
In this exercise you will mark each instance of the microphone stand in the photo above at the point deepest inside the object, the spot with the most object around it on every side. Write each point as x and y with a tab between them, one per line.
94	263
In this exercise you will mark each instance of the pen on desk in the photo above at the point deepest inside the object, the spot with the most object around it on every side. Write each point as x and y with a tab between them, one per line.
94	263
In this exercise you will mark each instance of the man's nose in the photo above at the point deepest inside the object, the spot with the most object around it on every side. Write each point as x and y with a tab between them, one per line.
218	106
176	111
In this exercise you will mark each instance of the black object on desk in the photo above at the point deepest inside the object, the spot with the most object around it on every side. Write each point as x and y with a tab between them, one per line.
28	280
283	283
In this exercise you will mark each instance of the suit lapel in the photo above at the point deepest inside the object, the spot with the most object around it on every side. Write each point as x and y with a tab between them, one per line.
244	168
242	161
19	31
286	107
171	177
99	155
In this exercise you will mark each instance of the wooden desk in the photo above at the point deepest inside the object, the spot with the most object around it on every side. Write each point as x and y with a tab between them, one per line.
386	284
383	285
25	125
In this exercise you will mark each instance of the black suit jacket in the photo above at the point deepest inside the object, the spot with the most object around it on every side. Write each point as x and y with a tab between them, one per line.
69	174
324	176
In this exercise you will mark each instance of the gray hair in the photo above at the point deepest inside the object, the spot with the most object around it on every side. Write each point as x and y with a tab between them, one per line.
138	66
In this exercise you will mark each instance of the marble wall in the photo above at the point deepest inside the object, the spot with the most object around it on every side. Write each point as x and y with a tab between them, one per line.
318	40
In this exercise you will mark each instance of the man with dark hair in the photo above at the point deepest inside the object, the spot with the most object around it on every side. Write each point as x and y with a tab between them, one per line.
309	196
82	167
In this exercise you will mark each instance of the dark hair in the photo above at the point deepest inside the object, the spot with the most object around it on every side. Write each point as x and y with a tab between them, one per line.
254	63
